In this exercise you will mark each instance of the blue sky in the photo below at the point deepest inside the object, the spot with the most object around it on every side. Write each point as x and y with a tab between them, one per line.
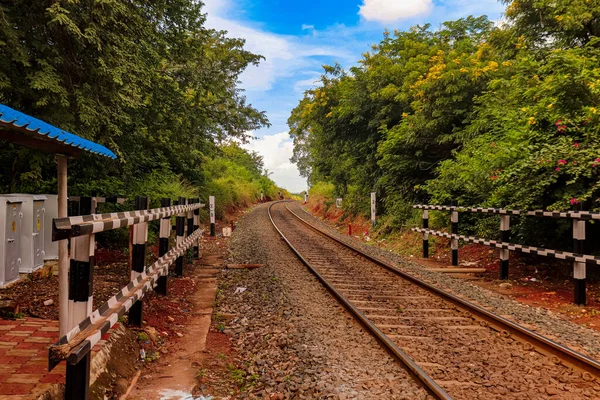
297	37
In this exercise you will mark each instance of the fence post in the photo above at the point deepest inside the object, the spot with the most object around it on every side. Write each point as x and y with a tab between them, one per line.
138	259
454	241
179	230
81	271
211	207
504	237
163	247
78	379
196	249
425	234
80	299
190	220
373	209
579	273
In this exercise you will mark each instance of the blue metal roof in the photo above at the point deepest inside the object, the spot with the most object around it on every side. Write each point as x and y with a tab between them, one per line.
14	119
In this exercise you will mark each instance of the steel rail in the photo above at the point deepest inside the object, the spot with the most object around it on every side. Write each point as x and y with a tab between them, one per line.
543	344
429	383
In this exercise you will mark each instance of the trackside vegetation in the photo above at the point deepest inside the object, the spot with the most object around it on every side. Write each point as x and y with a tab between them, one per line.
145	78
489	114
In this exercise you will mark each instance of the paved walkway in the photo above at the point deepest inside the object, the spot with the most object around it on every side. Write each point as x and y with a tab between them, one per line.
24	358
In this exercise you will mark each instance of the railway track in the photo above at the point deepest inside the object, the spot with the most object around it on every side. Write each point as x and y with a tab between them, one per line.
456	349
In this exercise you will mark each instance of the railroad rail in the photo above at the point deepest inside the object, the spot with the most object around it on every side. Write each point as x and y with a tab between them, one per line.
455	348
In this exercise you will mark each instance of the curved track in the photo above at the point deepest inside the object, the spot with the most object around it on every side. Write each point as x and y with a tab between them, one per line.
456	349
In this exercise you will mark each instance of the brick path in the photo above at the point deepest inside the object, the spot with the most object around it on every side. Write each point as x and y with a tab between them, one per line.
24	358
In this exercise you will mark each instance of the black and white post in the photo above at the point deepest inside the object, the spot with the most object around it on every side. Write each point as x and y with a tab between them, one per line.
190	220
579	273
504	237
179	231
196	247
425	234
138	259
81	272
373	209
163	247
454	240
211	208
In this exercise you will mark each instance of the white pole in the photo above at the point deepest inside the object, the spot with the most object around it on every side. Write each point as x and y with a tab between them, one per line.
211	207
63	251
373	209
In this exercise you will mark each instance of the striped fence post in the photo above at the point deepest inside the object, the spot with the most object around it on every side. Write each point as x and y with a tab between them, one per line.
504	237
211	207
78	379
190	220
80	299
579	273
454	241
81	272
163	247
138	259
425	234
373	209
180	231
196	247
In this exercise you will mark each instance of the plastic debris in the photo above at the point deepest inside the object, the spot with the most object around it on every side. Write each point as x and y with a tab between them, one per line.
142	354
239	290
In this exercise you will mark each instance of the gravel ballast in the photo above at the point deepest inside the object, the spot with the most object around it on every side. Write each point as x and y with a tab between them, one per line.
545	322
291	337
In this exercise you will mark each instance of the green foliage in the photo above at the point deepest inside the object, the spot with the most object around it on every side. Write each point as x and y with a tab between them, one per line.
492	116
145	78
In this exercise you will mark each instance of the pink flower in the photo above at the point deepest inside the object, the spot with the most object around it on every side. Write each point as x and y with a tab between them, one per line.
597	160
493	177
574	201
594	165
575	144
562	162
557	169
558	122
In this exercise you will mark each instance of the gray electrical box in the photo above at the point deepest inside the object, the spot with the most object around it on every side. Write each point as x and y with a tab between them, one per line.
11	217
32	232
51	206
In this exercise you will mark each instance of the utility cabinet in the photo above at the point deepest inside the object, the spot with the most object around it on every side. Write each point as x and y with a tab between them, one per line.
32	232
11	217
51	206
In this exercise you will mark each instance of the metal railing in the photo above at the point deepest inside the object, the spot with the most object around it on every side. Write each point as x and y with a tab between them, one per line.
87	326
577	256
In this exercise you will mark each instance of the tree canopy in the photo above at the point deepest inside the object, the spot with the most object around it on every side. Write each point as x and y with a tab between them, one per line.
488	114
145	78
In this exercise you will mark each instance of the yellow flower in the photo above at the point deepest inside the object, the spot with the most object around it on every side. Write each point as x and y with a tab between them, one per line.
404	115
506	63
593	110
532	121
329	115
549	105
464	70
524	109
558	18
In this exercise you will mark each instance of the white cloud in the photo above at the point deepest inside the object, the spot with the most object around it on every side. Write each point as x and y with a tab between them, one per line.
284	55
394	10
276	151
